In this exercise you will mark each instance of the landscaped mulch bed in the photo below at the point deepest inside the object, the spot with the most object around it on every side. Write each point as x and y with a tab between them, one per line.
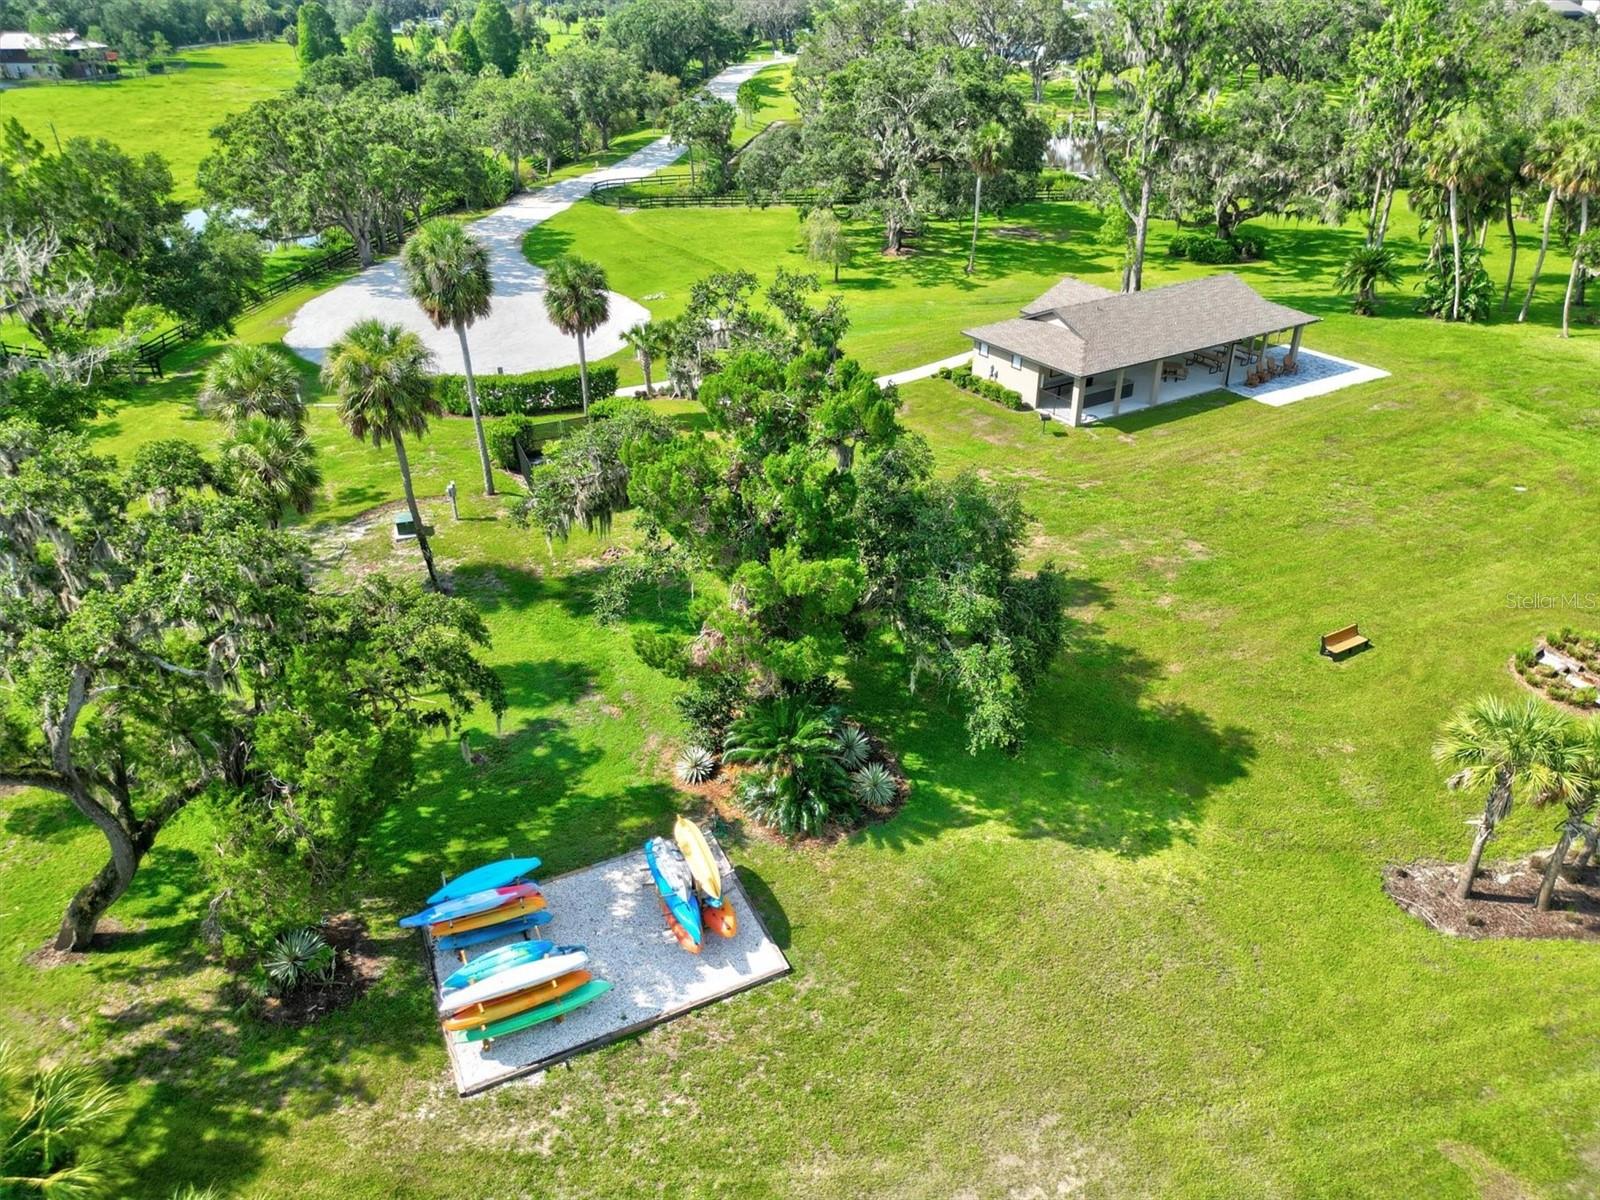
1502	900
358	964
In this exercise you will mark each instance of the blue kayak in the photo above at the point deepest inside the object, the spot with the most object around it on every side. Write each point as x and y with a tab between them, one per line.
502	959
468	905
490	875
675	883
492	933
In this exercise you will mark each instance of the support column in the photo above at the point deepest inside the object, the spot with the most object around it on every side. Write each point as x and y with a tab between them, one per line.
1077	401
1155	382
1116	393
1294	346
1227	364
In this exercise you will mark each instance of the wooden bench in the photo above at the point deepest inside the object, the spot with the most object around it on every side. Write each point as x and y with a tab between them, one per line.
1343	641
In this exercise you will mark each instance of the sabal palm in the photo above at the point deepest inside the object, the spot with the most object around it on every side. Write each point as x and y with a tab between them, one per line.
270	463
1577	171
794	746
48	1115
247	381
380	374
447	270
578	303
1502	750
1461	157
1575	786
985	156
648	341
1544	157
1363	271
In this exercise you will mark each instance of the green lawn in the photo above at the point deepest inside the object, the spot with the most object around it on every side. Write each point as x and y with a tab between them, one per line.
171	114
1148	956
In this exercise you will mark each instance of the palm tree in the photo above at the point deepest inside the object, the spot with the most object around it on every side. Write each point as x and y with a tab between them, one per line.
48	1114
1579	171
1576	786
800	779
1461	158
448	273
1543	159
984	155
1501	750
380	373
578	303
245	381
648	339
1363	271
270	463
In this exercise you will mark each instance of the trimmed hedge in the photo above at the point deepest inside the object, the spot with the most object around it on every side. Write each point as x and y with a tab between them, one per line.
964	379
504	434
1204	247
534	392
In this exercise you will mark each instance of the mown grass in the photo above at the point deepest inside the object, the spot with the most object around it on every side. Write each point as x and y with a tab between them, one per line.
171	114
1147	956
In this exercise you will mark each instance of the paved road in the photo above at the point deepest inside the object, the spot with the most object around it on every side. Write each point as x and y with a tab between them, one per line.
516	335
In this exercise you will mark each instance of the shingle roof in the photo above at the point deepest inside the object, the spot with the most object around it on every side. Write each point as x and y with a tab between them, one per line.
66	40
1123	329
1068	292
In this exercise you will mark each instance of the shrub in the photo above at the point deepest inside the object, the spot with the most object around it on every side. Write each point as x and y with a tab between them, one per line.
1202	248
534	392
798	784
1526	657
297	958
1583	696
964	379
1438	286
696	764
874	786
852	746
709	707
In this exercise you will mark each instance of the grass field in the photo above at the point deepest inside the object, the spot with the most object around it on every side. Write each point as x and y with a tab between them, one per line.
171	114
1148	956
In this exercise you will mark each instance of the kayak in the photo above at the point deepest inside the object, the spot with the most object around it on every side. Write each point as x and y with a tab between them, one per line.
675	883
592	990
678	931
496	960
513	979
702	864
490	875
719	918
491	933
466	906
515	907
510	1006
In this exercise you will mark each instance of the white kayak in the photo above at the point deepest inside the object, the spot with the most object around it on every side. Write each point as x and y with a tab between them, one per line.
515	979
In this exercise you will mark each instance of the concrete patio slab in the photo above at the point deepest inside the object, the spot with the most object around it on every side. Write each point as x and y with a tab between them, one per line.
611	909
1319	374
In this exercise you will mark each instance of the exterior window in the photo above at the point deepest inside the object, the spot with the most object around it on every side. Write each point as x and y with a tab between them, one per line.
983	349
1016	361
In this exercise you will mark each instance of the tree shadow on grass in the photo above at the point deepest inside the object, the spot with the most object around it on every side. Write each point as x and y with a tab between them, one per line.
767	905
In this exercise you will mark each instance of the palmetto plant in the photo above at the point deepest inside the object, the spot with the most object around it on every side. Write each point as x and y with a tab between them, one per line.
270	463
577	302
696	764
853	746
1575	787
296	958
874	786
447	270
1503	751
45	1116
649	342
798	783
247	381
986	157
380	373
1363	271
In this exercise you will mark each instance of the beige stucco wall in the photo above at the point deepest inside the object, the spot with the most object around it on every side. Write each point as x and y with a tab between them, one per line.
1023	379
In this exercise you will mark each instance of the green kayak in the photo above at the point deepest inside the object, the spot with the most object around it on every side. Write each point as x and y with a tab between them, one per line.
534	1016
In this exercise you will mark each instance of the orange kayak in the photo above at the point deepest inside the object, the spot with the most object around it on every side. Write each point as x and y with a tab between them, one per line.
720	920
678	931
519	907
510	1006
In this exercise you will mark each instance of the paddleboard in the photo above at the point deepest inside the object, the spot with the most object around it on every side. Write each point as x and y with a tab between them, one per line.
592	990
678	931
491	933
510	1006
515	907
719	918
465	906
490	875
675	883
702	864
513	979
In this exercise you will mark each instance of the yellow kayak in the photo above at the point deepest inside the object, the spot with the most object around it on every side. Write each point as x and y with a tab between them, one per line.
697	853
519	906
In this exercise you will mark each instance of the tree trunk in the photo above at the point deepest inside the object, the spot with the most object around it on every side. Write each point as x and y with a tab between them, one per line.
82	918
649	387
1485	832
1383	220
583	374
477	415
416	513
1511	231
1538	263
836	270
1572	279
1141	233
1455	255
1552	869
977	202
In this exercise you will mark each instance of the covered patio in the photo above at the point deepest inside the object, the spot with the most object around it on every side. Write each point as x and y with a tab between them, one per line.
1081	353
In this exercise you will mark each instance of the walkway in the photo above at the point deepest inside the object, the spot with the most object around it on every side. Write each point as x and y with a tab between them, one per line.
516	335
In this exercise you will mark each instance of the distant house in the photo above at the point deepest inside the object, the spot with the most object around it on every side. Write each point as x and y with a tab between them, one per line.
51	55
1081	351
